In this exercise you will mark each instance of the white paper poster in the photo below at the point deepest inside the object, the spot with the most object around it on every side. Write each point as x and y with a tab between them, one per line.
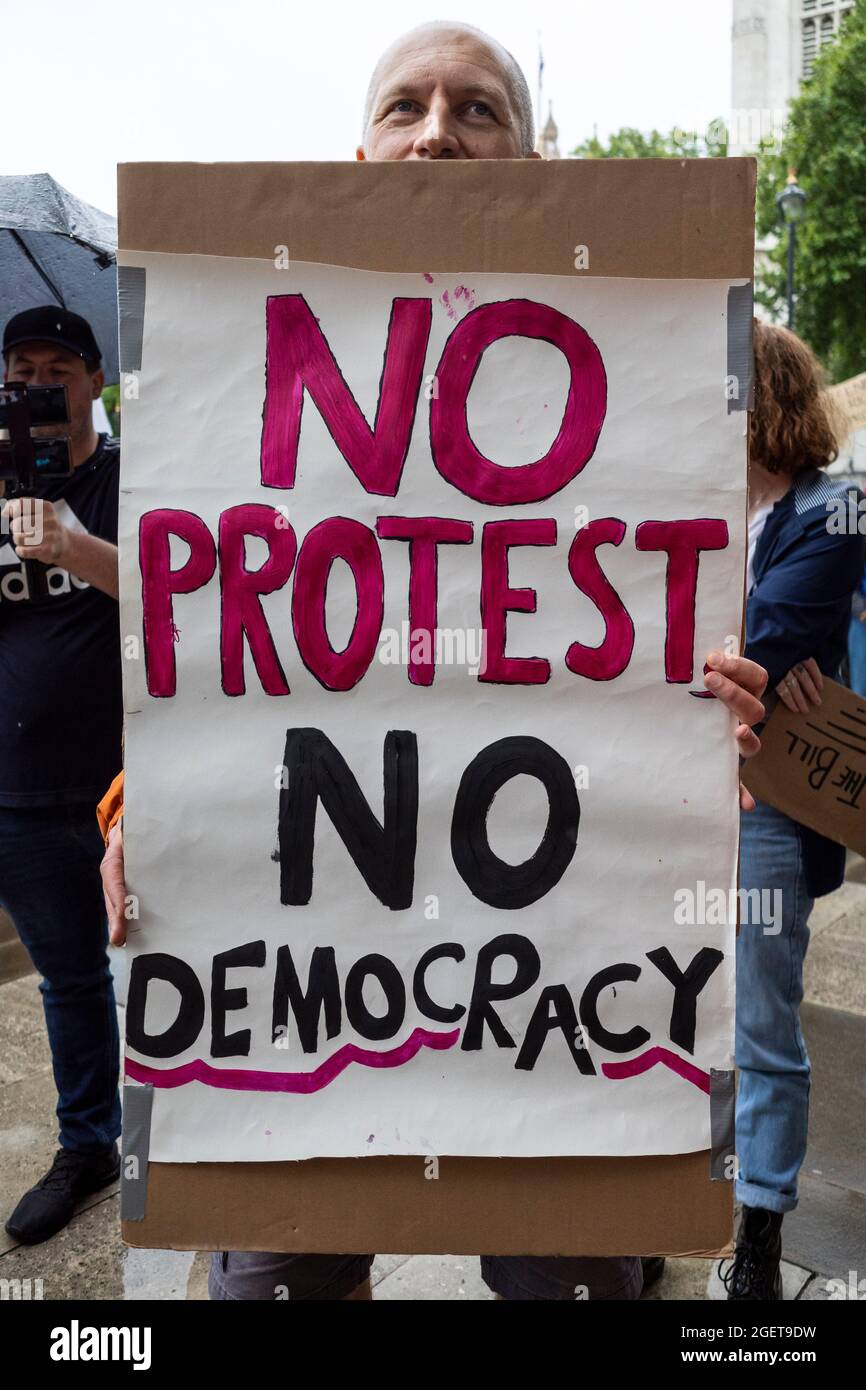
428	818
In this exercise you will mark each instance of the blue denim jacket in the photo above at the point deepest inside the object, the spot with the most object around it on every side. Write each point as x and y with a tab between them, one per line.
806	570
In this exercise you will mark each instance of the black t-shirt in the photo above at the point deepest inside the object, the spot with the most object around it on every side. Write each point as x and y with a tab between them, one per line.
61	711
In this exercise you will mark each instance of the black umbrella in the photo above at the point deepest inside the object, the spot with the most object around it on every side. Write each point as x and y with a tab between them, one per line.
56	249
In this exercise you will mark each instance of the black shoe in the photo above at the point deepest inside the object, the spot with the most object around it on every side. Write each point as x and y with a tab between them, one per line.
48	1207
653	1267
754	1274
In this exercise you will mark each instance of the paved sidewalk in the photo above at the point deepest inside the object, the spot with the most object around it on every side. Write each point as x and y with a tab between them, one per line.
825	1239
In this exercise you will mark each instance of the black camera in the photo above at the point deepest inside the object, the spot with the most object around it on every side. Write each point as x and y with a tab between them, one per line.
25	460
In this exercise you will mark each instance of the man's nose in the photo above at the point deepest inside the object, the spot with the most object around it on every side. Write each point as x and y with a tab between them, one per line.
437	138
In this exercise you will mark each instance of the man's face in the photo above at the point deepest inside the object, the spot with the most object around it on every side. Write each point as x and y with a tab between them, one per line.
443	97
47	364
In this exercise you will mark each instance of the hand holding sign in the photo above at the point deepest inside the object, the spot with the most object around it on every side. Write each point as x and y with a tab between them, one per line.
801	687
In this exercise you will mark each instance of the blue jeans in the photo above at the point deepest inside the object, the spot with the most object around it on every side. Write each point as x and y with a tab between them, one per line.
857	656
50	886
773	1098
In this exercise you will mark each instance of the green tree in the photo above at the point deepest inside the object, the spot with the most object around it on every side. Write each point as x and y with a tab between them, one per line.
629	143
825	142
111	401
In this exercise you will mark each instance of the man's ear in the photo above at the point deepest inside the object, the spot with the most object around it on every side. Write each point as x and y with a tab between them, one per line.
98	381
359	153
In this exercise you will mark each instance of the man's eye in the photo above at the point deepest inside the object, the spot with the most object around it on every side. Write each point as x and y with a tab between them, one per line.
403	106
480	108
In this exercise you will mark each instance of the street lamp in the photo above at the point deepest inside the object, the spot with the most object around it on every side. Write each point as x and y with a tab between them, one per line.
791	203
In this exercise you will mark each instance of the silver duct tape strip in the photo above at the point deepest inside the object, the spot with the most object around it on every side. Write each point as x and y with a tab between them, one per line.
723	1094
130	315
137	1108
741	309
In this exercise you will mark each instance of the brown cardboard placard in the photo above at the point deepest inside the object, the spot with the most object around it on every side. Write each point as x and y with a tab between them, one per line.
665	1204
849	399
813	766
678	219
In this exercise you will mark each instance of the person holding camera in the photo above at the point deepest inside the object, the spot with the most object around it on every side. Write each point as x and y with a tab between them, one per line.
60	744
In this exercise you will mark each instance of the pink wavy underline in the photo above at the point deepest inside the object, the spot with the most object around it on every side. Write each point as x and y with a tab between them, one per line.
617	1071
298	1082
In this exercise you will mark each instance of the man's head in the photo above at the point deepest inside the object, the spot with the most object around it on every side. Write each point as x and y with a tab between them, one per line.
447	91
49	346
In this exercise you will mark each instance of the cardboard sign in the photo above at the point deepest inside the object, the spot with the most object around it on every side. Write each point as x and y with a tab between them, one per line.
813	766
849	398
418	756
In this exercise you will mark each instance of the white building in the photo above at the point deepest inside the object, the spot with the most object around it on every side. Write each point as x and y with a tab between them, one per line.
774	44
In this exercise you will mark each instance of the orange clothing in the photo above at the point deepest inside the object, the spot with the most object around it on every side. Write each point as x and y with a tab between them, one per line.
110	808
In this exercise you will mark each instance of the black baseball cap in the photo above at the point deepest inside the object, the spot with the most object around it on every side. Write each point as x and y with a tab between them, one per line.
50	323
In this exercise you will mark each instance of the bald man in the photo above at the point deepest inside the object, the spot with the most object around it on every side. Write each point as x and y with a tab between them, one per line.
448	91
